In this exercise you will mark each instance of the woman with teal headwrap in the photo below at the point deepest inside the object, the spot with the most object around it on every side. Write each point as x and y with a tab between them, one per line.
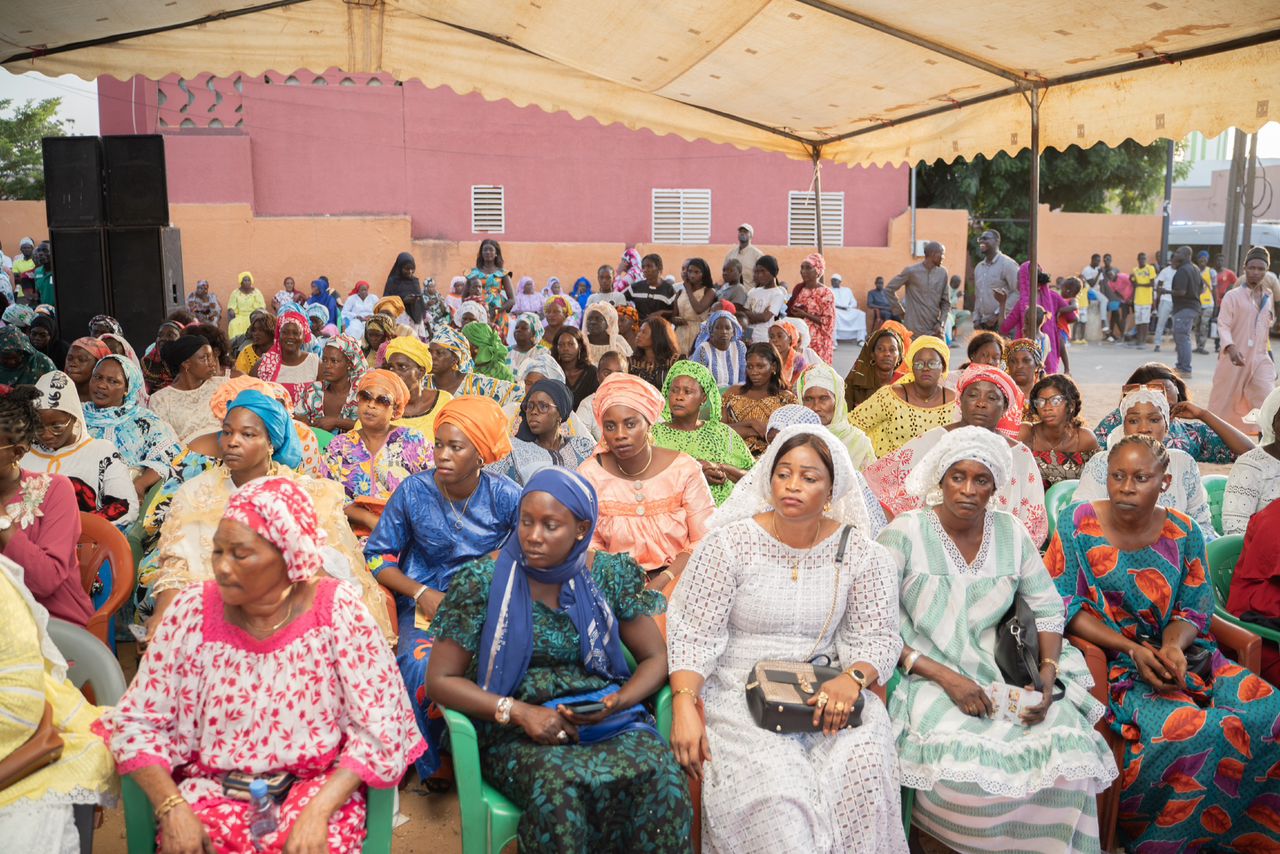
20	363
690	389
490	354
453	370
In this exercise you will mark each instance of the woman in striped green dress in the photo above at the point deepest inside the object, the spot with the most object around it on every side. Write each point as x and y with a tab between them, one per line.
986	784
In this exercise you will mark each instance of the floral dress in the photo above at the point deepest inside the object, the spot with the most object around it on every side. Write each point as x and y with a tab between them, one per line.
1194	437
622	794
821	303
362	476
1200	764
742	407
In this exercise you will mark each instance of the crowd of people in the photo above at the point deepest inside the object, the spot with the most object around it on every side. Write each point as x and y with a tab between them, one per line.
538	507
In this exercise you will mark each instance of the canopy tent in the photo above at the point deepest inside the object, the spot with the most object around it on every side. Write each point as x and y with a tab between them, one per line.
859	81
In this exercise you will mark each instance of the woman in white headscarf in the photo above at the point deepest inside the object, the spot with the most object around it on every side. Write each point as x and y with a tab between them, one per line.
770	561
1146	412
961	566
600	323
1254	480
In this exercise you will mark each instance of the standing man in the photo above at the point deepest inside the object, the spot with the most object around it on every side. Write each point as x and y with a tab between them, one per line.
928	295
746	254
1116	309
996	271
1143	277
1245	373
1186	306
1226	281
1210	279
43	273
1164	301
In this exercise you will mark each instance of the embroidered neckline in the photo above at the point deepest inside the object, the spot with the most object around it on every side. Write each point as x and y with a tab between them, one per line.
953	551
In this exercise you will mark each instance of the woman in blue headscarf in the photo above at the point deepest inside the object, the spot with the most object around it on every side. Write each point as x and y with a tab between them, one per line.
719	349
320	295
522	640
115	413
581	292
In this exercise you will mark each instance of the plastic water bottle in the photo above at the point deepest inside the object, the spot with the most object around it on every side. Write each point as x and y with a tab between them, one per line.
264	815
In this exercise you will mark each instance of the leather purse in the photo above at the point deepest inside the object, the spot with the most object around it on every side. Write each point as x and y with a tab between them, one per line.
43	748
778	691
1018	647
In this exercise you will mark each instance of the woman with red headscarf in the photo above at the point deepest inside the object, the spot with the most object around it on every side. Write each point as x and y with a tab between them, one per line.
813	302
287	363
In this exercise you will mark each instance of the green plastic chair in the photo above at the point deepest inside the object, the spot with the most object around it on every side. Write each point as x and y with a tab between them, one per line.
1216	486
324	437
1223	554
1059	496
140	823
489	819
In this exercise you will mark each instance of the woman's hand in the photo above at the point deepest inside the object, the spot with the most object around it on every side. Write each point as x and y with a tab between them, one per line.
429	602
1037	713
610	706
1152	669
1175	658
967	695
689	738
543	725
1187	411
182	833
713	473
841	692
310	832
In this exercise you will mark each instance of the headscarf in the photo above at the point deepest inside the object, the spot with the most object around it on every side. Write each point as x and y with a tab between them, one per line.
18	315
106	320
286	308
99	418
610	313
476	309
506	640
754	493
728	367
1132	399
1258	253
245	275
1026	344
282	513
273	360
391	306
453	341
491	353
482	421
1015	403
408	289
286	448
141	437
174	353
535	327
325	298
818	262
388	382
621	389
791	414
350	347
546	289
824	376
632	274
863	375
802	329
580	293
541	361
926	342
380	323
560	396
317	310
1265	416
57	391
93	346
629	311
699	374
230	389
963	443
411	348
788	361
328	331
566	303
33	365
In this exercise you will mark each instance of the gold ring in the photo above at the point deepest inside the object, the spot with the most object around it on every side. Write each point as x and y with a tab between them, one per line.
822	698
839	706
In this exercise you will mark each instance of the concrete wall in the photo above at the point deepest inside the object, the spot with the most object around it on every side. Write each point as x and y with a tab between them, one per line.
1068	239
1208	203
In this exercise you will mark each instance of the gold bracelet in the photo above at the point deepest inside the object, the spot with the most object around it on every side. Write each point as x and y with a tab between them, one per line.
1052	664
669	574
692	693
168	805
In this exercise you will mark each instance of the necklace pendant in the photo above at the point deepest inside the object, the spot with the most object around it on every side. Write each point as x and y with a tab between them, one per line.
795	572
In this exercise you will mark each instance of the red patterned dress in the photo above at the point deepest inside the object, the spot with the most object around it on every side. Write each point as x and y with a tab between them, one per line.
821	303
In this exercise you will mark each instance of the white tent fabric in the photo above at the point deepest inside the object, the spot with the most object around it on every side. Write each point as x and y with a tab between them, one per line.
868	81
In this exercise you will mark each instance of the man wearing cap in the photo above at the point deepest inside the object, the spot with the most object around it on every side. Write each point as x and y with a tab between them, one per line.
745	254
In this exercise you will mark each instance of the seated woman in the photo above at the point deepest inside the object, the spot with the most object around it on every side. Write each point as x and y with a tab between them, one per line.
654	351
378	330
785	338
38	811
1255	582
1055	434
410	359
115	414
1192	428
260	337
747	406
184	402
819	388
898	413
435	523
691	390
1254	480
544	626
961	566
20	363
357	309
372	460
719	348
97	472
488	353
82	356
330	403
265	634
988	399
1025	363
44	337
524	339
600	322
257	440
39	516
540	442
656	500
777	578
155	373
985	348
1146	413
570	350
879	363
1132	574
287	362
453	371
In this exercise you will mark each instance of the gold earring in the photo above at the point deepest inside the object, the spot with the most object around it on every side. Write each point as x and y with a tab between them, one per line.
827	508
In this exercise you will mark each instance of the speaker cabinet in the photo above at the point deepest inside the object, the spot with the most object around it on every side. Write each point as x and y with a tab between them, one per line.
80	277
145	273
73	181
136	189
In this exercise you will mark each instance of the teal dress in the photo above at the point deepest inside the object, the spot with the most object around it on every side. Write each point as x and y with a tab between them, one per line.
623	794
1201	766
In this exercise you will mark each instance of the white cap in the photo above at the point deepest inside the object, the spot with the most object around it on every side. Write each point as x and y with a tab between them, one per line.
748	227
836	277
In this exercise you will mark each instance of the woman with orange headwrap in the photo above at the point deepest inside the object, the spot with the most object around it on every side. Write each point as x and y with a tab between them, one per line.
372	459
436	522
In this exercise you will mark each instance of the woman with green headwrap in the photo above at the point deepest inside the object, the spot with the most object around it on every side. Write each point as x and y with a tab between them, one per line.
689	390
487	351
20	363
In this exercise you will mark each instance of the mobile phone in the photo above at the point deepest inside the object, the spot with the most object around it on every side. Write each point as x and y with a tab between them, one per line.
587	708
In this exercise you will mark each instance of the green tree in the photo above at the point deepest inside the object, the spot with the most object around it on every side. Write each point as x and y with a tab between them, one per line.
21	128
1082	180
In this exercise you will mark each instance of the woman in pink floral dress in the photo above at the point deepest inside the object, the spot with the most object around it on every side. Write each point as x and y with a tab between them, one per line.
265	669
813	302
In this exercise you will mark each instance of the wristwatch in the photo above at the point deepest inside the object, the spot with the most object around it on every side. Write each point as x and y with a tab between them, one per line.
503	713
858	676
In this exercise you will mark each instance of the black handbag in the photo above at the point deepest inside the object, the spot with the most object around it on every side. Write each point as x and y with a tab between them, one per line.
1018	647
778	691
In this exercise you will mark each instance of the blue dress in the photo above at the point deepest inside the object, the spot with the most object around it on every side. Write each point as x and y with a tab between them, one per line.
429	540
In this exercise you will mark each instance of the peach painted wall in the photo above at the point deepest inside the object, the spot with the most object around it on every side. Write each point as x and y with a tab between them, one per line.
1068	239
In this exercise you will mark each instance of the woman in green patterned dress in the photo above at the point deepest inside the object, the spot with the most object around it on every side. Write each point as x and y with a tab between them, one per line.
520	640
690	389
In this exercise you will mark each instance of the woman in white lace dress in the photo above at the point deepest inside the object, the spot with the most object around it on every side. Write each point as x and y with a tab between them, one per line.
765	584
986	783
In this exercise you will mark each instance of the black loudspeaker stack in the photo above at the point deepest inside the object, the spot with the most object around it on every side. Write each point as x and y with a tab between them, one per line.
114	252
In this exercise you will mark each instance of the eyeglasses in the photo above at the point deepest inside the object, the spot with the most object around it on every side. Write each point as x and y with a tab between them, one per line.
1155	385
933	365
56	426
539	408
1044	402
381	399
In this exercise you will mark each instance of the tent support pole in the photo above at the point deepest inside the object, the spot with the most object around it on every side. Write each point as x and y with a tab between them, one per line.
1250	178
817	194
1033	227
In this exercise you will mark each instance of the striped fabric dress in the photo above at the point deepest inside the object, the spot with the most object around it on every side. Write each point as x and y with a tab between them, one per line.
988	785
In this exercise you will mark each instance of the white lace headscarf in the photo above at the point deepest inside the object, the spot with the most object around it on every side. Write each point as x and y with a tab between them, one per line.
963	443
1266	416
1132	399
754	493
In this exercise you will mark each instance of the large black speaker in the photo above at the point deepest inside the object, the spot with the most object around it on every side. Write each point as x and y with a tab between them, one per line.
80	278
73	181
145	272
136	190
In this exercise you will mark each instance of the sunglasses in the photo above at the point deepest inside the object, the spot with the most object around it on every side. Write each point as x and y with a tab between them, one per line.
1045	402
370	397
1155	385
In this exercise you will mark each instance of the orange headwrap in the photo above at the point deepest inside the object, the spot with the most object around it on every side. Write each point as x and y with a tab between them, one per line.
482	421
227	392
620	389
388	383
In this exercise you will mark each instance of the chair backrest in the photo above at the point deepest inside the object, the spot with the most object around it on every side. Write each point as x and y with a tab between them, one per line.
104	552
1223	554
324	437
89	662
1058	496
1216	486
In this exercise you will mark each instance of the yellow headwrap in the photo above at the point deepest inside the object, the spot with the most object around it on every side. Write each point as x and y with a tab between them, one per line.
926	342
411	348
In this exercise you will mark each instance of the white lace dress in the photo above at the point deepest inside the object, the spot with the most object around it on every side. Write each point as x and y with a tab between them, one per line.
737	604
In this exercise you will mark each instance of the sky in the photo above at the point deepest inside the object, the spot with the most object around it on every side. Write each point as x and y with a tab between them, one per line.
80	103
